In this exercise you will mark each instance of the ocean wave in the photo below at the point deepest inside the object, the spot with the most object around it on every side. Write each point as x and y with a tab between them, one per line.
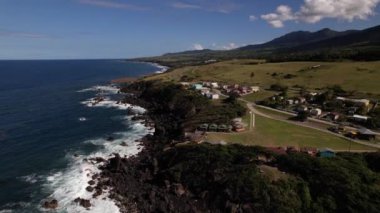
161	68
65	186
108	103
110	89
32	178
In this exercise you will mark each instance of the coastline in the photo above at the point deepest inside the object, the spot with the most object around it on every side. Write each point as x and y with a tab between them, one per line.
85	171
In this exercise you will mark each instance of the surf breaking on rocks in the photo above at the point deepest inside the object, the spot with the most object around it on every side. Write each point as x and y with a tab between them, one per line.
73	189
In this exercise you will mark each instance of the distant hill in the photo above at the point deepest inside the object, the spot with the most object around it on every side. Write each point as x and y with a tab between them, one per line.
299	38
325	44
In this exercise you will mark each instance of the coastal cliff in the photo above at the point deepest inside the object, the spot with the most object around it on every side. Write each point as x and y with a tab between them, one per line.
168	176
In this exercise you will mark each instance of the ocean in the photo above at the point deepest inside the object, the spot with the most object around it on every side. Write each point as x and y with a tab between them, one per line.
49	126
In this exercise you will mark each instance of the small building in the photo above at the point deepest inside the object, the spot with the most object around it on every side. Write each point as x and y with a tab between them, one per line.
213	128
316	112
290	101
309	150
255	88
214	85
332	116
301	109
360	118
204	91
238	128
213	96
301	100
366	134
223	128
185	84
326	153
203	127
197	86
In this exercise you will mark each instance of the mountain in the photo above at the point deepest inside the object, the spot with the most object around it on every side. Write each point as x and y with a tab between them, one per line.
325	44
299	38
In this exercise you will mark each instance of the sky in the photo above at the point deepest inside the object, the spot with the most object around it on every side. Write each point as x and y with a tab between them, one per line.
91	29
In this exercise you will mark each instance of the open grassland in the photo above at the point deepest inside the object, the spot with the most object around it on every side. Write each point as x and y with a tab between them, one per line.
270	132
359	76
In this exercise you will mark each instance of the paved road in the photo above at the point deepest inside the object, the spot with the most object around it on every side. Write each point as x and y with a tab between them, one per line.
252	106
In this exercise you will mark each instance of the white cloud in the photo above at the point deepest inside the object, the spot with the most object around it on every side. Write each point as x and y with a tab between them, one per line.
198	47
220	6
252	18
230	46
111	4
313	11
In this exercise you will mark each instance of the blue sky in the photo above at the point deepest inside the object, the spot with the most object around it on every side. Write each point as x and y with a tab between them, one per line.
80	29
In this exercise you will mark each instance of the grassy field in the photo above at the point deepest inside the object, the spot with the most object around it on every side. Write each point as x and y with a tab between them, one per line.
269	132
359	76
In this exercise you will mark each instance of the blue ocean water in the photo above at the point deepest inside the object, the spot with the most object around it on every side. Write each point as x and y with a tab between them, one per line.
43	123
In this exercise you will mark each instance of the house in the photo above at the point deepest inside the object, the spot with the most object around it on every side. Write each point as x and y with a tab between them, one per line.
301	109
185	84
204	91
290	101
212	96
366	134
309	150
301	100
332	116
223	128
197	86
255	88
364	102
360	118
203	127
238	127
326	153
316	112
214	85
213	128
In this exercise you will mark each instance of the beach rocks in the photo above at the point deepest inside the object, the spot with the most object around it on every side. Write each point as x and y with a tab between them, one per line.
83	202
89	188
52	204
91	182
97	160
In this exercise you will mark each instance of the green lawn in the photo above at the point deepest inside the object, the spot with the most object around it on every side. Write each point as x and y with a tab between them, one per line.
269	132
359	76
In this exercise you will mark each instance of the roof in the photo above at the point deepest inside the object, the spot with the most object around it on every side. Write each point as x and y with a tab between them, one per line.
364	131
361	117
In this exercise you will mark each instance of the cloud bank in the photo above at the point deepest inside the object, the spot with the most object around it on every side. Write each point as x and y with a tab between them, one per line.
198	47
313	11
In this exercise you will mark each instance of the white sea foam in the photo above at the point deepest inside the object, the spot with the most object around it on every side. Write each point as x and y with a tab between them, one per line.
108	103
104	89
71	183
32	178
161	68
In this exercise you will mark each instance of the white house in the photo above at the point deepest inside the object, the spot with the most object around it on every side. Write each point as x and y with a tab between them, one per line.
316	112
213	96
255	88
214	85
